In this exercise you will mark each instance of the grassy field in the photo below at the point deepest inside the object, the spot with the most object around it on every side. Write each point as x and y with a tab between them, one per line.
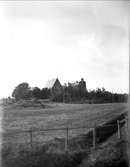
110	153
56	115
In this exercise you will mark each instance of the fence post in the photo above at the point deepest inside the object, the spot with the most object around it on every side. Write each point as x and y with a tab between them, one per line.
126	127
66	139
30	132
94	137
118	131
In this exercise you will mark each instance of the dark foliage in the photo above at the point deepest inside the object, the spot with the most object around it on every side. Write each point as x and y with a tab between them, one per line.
116	163
40	93
36	93
105	131
22	91
57	98
103	96
72	92
46	93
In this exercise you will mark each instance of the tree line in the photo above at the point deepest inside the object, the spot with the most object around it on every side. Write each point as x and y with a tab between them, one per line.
70	94
24	91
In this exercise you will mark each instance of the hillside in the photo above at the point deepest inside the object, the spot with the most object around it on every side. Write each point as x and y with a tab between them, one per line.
58	115
55	116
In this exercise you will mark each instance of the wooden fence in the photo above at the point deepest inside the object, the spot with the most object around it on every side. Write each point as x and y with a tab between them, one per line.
95	132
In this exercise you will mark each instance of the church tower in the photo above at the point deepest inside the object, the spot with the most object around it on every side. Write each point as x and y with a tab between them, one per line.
82	85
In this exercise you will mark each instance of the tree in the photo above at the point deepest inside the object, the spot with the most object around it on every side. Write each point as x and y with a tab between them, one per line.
45	93
22	91
36	93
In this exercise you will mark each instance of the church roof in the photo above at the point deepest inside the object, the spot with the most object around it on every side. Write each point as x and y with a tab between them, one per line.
50	83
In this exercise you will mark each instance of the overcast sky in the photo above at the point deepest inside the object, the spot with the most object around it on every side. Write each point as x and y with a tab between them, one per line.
68	40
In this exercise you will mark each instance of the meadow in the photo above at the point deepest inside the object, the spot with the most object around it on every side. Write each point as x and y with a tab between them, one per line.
55	115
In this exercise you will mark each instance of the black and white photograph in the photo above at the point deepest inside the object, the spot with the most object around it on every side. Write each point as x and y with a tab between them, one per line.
64	87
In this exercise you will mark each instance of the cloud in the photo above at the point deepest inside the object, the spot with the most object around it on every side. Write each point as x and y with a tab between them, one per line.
109	20
69	40
112	34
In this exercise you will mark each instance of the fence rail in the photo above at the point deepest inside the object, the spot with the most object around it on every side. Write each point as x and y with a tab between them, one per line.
94	132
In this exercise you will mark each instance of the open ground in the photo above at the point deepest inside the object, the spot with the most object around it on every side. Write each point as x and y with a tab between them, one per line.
56	115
